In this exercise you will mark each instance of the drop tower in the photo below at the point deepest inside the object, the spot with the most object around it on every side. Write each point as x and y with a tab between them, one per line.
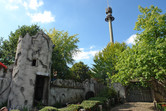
109	18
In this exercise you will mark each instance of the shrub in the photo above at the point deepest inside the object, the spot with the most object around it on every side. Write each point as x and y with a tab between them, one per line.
102	100
3	104
14	110
161	106
71	108
90	105
59	105
108	93
49	108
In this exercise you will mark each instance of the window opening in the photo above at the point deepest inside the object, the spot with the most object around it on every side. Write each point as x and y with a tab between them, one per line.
34	62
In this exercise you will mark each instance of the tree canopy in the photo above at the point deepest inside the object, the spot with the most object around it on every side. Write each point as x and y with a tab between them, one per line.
8	47
145	61
80	71
65	48
105	61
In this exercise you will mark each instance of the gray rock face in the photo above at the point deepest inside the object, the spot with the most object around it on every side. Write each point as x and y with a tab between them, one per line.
69	91
5	82
31	71
120	89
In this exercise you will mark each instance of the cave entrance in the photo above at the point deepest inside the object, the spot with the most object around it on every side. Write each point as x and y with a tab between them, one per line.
89	95
41	90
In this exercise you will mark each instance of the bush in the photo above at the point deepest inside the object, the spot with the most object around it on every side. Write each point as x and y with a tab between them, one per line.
161	106
49	108
15	110
3	104
59	105
71	108
108	93
90	105
102	100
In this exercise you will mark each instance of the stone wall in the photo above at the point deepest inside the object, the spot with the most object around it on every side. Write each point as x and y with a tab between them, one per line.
120	89
69	91
5	82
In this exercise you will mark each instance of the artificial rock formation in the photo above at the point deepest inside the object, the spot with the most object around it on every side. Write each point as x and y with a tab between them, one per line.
31	72
5	82
70	91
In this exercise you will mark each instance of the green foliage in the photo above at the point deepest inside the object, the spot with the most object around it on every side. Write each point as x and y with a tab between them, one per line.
90	104
108	93
105	61
102	100
8	47
71	108
3	104
14	110
39	105
65	48
49	108
58	105
161	106
146	60
80	71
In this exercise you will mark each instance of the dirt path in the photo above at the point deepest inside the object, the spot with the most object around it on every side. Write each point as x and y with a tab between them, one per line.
135	106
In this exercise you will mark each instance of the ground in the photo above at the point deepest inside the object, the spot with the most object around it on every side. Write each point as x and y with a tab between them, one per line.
135	106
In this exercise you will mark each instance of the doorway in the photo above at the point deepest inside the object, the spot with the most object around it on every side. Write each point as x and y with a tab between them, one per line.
40	90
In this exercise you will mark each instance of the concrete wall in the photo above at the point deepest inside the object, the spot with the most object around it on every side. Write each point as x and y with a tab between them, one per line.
69	91
120	89
5	81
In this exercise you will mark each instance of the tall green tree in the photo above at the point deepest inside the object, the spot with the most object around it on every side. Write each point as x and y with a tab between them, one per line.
145	61
105	61
80	71
8	47
65	48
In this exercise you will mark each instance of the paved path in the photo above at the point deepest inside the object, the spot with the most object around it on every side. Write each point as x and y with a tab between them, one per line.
135	106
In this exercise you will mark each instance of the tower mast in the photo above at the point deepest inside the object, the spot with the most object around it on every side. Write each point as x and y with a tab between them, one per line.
109	18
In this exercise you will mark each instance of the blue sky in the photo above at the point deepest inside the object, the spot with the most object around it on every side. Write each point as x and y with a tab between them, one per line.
83	17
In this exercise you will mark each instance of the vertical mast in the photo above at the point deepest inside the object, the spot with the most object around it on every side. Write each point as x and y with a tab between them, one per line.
109	18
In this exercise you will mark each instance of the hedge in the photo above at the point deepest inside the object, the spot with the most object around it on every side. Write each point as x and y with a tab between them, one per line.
161	106
71	107
90	104
49	108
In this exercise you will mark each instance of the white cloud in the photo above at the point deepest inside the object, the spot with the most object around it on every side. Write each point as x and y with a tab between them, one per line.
82	55
81	49
91	47
11	7
32	4
28	4
15	1
11	4
131	39
45	17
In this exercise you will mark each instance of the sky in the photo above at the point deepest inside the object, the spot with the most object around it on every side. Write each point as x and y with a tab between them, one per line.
83	17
